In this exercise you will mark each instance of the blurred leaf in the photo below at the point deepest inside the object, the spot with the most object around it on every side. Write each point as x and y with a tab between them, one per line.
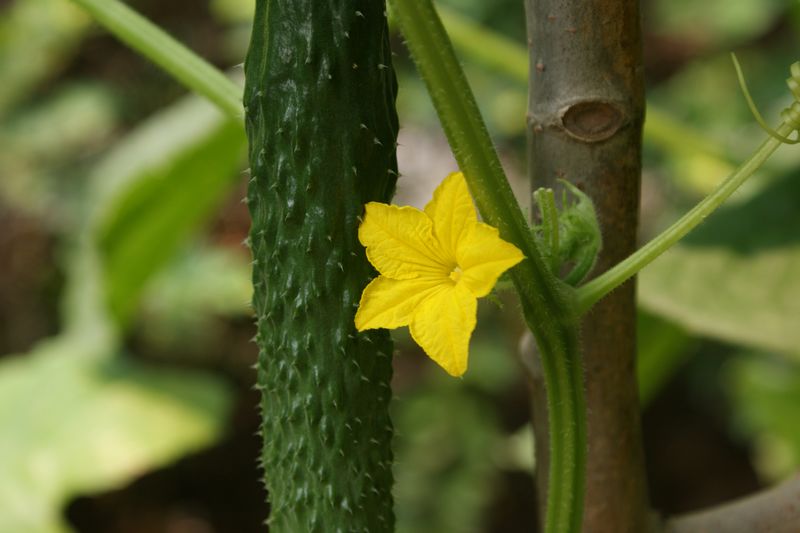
444	469
36	36
182	306
44	145
205	280
506	17
714	22
766	397
704	96
61	124
700	123
156	189
662	348
737	277
694	161
77	421
237	15
518	451
233	10
485	46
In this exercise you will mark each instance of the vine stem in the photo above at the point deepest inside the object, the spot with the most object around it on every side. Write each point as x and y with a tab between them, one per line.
159	47
547	303
595	290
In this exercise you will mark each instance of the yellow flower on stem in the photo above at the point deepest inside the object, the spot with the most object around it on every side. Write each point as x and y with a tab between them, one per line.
434	265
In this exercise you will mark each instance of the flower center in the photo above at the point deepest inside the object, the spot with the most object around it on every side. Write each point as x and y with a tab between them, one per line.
455	275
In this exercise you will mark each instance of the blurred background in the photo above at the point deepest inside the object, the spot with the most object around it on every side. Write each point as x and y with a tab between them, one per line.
126	401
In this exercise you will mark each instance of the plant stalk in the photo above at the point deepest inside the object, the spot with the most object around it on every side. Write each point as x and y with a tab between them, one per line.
586	110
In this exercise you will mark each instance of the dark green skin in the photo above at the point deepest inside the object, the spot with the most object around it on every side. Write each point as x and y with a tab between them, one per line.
320	116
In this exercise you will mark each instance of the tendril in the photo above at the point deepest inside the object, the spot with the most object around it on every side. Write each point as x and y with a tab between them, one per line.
790	115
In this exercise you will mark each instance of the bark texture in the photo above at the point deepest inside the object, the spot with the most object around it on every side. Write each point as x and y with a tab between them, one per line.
586	111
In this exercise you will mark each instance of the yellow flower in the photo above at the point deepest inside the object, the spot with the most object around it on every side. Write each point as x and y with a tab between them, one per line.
434	265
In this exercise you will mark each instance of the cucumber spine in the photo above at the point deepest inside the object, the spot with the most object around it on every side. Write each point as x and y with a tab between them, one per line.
320	118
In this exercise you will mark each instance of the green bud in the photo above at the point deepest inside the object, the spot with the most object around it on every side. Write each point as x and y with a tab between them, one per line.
570	237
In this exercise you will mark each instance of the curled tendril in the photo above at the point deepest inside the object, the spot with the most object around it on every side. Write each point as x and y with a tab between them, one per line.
790	115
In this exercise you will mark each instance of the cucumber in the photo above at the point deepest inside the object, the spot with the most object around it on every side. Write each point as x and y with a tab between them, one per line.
320	117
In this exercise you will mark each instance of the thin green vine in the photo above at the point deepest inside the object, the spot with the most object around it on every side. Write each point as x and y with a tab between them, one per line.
592	292
794	86
546	302
159	47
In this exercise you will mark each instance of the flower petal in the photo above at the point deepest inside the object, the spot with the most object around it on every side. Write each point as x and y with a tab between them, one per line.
400	242
442	326
451	211
389	303
483	256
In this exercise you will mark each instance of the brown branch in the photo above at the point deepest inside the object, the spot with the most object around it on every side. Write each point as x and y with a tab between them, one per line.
586	112
775	510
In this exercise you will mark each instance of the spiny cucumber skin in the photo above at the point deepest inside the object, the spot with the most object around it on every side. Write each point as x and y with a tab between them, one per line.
320	116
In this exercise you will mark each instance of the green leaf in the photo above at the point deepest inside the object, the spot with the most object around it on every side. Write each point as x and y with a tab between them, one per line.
203	281
714	22
766	399
184	305
156	189
737	277
76	421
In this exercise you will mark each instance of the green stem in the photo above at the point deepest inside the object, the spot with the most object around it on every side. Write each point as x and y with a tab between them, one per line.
546	302
546	200
159	47
462	122
596	289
